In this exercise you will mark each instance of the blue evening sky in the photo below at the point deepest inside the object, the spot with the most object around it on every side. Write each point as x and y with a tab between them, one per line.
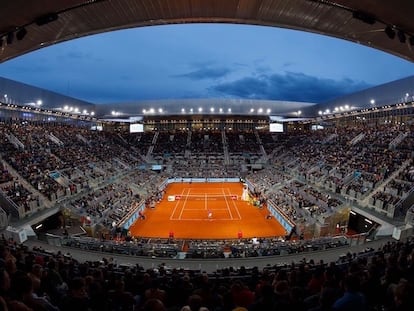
206	61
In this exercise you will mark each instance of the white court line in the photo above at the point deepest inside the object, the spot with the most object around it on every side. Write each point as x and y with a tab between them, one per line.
185	202
176	205
235	206
206	204
205	219
206	194
227	203
205	190
212	209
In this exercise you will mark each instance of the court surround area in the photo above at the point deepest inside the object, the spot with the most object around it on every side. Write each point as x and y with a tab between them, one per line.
206	211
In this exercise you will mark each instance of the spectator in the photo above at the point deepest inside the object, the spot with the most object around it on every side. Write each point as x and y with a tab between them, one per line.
120	300
404	296
77	298
352	299
195	303
153	305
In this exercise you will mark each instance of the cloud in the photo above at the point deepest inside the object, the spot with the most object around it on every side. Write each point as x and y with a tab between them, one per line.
243	65
290	86
205	73
287	64
248	87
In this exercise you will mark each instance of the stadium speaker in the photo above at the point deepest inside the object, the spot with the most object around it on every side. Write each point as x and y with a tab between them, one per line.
21	33
390	32
401	36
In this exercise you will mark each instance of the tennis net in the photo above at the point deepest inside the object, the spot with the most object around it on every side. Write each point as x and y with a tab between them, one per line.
203	197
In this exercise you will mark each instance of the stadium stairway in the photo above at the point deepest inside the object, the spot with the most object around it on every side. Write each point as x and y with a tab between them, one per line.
184	249
365	201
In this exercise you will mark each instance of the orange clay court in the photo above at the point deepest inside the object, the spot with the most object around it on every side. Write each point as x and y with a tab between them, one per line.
206	211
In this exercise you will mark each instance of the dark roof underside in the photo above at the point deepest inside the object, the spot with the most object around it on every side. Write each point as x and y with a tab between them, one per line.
27	25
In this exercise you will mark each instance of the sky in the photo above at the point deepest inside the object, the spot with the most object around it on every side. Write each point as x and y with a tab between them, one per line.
206	61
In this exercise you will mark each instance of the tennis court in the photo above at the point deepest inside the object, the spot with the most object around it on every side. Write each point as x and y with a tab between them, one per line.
206	211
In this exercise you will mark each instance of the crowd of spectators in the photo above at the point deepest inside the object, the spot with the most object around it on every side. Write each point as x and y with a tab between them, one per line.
243	143
5	175
105	170
391	195
20	196
307	174
352	162
371	280
171	144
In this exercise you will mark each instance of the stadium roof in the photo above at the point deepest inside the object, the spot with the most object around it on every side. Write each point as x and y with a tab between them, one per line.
206	107
27	25
399	91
